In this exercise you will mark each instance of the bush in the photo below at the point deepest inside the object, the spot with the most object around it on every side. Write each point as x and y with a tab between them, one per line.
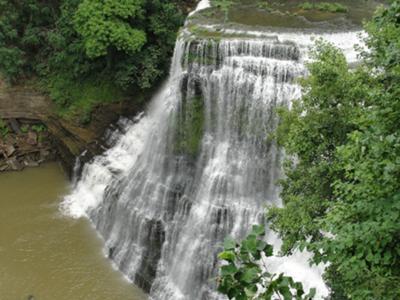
306	6
76	100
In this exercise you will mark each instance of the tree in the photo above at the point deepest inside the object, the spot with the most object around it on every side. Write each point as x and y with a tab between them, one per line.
310	133
108	23
342	190
86	52
366	218
24	27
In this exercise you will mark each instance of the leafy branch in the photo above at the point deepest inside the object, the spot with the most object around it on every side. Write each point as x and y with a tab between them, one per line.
244	275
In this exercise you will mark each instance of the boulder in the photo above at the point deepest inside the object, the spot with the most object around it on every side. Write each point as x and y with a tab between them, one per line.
14	164
30	163
44	154
3	166
15	126
32	138
8	150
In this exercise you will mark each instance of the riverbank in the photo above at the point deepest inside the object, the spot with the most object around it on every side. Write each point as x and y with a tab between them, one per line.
31	132
24	143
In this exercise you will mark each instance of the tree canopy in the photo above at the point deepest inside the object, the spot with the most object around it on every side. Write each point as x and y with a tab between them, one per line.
105	24
84	51
341	189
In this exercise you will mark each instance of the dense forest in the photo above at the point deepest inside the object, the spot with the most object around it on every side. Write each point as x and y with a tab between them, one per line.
83	51
342	186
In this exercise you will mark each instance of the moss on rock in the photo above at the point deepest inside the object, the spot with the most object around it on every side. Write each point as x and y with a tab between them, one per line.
190	127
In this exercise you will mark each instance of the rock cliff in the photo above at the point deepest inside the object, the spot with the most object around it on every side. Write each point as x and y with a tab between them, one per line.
33	133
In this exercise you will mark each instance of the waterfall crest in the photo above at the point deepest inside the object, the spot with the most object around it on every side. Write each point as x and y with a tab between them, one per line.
197	166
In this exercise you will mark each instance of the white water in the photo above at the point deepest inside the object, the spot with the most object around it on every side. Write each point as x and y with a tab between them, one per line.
203	4
346	41
164	210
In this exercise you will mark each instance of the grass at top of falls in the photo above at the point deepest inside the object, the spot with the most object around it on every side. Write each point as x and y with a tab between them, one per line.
325	6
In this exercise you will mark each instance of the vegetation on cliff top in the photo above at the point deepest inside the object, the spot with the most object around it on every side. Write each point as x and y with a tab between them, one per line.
342	190
76	46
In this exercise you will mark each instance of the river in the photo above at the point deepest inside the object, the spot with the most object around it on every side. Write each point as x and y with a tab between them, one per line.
46	255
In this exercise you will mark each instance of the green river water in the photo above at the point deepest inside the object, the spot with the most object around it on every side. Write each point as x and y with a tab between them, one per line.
46	255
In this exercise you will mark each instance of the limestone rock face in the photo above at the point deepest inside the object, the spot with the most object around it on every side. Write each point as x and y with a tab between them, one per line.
8	149
22	106
32	138
73	140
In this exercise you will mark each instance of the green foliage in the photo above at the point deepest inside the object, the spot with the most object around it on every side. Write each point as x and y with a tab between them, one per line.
75	101
4	129
24	128
341	193
190	127
242	277
23	31
73	45
307	6
104	24
224	6
309	133
325	6
383	42
266	5
39	128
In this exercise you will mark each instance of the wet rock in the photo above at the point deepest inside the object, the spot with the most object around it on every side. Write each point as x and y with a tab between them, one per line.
14	164
111	252
3	166
154	238
15	126
32	138
8	149
30	163
44	154
22	107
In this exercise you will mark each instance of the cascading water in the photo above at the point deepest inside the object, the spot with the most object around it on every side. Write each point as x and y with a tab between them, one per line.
198	166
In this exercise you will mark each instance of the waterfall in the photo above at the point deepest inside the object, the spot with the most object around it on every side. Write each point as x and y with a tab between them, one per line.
198	166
